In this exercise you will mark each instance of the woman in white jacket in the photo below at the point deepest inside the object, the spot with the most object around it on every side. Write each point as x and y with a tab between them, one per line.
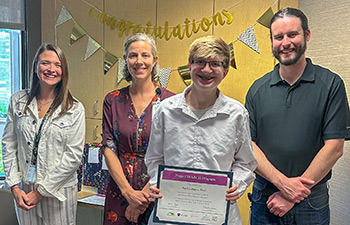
43	143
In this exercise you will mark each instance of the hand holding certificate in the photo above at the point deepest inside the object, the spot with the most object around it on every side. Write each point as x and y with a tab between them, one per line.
192	196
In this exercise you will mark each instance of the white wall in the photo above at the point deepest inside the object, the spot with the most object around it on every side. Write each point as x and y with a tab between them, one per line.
329	21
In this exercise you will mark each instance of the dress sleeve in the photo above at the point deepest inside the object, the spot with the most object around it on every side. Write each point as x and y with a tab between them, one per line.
71	158
155	154
9	149
245	163
107	125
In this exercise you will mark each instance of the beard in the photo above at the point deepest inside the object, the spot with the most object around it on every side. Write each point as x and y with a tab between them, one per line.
299	51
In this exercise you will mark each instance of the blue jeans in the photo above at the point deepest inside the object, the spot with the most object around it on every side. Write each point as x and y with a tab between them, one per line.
312	210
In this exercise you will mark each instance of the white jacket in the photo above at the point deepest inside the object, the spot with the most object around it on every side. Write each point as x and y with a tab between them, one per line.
60	148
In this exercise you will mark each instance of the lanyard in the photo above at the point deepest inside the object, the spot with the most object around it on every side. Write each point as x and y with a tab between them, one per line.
37	137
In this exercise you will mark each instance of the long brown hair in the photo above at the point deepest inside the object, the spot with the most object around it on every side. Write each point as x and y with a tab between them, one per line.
63	96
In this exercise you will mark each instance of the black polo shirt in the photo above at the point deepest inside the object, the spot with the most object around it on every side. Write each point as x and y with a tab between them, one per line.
290	123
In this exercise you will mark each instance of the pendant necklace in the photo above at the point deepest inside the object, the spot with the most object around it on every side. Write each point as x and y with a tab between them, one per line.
41	105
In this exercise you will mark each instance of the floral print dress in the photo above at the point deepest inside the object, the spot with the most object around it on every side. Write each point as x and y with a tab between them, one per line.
127	135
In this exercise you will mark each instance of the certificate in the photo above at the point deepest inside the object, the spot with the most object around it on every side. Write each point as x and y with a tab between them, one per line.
192	196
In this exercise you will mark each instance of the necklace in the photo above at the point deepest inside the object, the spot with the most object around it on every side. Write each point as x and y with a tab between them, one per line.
41	105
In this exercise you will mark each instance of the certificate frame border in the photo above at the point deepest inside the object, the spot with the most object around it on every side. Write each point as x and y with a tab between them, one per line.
229	174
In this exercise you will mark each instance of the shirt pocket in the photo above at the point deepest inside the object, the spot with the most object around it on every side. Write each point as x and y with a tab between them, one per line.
57	137
224	143
21	119
59	130
23	128
24	137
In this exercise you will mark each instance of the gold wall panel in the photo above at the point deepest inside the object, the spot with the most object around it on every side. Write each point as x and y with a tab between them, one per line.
88	82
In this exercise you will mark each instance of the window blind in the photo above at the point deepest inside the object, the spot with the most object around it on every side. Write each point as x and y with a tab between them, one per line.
12	14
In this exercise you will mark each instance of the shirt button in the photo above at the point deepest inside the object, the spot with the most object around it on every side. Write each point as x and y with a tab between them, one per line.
34	122
61	124
28	143
27	161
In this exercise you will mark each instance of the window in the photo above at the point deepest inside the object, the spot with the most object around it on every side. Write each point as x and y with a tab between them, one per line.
2	173
10	66
12	28
10	73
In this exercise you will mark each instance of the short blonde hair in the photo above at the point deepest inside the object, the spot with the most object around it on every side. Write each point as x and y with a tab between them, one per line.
209	47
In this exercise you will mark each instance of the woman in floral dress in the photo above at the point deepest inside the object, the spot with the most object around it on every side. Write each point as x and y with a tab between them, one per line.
127	115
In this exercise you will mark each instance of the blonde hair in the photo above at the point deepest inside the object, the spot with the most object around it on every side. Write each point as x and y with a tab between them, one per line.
209	47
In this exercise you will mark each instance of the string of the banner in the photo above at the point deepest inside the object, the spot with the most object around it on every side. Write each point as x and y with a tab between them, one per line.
79	25
197	20
277	1
103	49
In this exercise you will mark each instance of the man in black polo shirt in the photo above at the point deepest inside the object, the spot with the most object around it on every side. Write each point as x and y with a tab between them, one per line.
299	117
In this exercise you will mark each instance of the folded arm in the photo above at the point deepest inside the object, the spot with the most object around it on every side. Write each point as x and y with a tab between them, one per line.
317	170
294	189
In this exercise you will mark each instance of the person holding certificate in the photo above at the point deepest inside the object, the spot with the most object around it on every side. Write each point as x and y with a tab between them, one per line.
203	129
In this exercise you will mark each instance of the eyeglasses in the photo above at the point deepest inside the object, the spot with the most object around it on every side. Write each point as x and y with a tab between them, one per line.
212	64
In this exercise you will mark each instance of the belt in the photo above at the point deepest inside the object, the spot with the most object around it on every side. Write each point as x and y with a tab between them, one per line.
323	187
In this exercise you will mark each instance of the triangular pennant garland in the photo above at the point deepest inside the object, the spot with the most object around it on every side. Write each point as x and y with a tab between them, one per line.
109	61
63	17
121	66
92	47
266	18
232	56
77	33
164	74
185	74
248	38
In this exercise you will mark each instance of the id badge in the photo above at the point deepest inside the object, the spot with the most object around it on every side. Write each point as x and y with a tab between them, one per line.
31	175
